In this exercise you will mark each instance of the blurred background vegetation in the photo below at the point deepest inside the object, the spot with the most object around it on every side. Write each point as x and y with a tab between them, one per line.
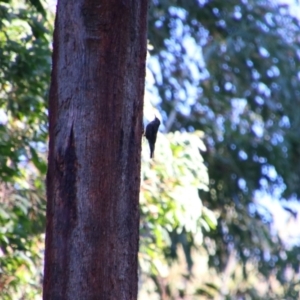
219	209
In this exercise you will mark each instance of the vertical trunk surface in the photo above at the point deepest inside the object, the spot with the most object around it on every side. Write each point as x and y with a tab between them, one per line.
93	180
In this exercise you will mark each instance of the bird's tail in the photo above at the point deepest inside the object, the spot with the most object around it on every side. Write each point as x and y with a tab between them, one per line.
151	150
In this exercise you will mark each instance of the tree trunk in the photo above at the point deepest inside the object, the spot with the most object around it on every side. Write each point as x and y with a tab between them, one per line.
95	124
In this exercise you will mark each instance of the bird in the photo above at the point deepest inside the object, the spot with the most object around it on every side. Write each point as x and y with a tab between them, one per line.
151	134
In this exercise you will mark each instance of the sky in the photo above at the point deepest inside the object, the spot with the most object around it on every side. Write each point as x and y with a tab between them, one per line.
294	6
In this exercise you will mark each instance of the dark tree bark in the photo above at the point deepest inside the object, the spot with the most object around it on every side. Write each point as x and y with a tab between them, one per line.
93	180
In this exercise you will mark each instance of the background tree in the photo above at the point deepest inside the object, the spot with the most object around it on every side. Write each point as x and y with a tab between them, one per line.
95	126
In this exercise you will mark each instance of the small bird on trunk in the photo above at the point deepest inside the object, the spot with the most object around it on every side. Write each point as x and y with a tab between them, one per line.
151	134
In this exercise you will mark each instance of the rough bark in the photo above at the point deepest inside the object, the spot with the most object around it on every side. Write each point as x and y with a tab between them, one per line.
95	125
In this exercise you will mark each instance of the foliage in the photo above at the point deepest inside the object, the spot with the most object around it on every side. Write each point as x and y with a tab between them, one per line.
171	210
230	69
24	77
